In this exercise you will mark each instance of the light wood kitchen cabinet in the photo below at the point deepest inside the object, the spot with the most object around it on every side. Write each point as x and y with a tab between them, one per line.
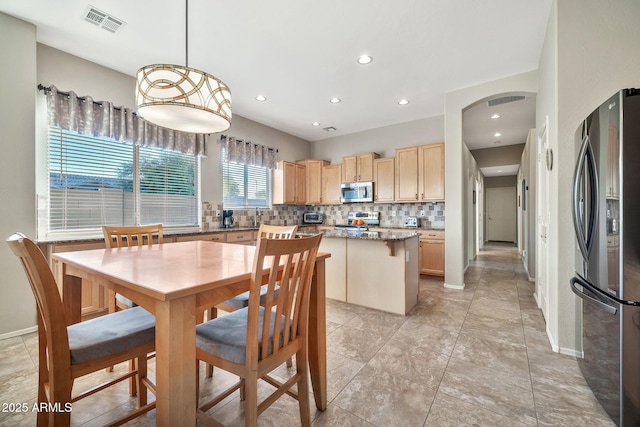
431	253
331	180
313	179
420	173
406	174
431	172
358	168
384	180
240	237
289	183
213	237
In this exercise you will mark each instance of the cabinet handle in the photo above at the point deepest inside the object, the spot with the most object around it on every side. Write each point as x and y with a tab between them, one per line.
416	196
422	196
358	177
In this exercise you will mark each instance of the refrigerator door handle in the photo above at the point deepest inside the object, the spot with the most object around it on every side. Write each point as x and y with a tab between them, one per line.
577	205
591	300
585	237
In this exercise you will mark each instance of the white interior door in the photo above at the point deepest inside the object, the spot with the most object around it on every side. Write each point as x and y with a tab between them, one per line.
543	217
501	214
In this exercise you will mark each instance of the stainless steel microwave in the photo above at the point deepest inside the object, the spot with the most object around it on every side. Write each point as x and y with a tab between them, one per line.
356	192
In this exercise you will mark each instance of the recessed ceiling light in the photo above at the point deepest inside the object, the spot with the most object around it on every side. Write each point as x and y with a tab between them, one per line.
260	98
403	102
315	124
495	116
334	100
497	134
365	59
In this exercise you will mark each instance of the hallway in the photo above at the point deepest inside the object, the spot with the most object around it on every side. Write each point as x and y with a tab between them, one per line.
474	357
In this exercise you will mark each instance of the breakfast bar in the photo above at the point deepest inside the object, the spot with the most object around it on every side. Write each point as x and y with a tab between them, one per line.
373	269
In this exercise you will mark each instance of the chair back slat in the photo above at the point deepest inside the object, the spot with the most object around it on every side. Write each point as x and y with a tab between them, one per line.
118	237
51	311
291	263
277	231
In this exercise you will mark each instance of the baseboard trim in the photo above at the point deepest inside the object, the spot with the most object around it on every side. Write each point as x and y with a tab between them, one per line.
19	332
458	287
563	350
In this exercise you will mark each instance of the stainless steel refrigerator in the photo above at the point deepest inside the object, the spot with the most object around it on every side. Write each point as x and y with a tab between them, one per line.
606	216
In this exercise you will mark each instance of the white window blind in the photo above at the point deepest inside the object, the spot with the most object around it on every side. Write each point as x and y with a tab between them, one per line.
96	181
245	186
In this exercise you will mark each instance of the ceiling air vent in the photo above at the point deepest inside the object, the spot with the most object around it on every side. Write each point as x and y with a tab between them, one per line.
329	129
504	100
103	19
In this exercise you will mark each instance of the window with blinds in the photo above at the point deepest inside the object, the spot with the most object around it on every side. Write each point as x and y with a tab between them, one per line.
245	186
95	182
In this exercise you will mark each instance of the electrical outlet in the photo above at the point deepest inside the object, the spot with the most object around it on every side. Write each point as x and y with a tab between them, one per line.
218	213
393	213
422	213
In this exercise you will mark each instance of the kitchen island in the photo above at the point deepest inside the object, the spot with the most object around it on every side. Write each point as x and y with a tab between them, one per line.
371	268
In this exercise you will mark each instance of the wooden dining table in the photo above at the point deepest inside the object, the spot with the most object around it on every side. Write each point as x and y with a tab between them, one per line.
176	282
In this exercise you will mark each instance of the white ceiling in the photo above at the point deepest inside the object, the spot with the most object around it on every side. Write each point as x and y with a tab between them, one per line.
300	53
515	121
505	170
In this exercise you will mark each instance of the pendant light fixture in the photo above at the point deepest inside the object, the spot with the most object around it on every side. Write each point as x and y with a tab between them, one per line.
182	98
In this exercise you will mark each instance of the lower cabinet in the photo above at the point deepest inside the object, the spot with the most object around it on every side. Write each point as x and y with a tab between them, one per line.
432	254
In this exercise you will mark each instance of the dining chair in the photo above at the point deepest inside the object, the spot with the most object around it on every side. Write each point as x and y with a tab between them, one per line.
118	237
246	343
242	300
69	352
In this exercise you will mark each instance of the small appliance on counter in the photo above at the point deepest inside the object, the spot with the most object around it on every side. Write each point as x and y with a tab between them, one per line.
410	222
227	218
354	218
312	218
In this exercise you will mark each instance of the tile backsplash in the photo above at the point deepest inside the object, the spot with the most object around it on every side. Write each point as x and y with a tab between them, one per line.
391	214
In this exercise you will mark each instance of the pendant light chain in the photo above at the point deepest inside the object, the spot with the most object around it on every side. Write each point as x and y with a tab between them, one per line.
186	33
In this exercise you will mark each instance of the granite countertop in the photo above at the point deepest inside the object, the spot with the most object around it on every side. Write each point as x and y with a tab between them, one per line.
363	235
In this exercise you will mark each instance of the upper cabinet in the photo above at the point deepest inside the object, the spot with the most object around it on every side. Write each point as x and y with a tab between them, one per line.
420	173
313	179
289	183
407	174
431	172
331	180
384	180
358	168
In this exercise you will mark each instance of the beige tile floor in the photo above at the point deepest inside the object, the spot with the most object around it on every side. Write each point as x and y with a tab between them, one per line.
477	357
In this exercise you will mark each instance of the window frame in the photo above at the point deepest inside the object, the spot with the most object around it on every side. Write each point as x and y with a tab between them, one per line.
245	183
45	233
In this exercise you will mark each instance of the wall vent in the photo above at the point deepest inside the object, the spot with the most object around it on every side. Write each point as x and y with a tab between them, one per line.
329	129
103	20
504	100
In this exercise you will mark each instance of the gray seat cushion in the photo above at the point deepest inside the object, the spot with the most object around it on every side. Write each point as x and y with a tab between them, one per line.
110	334
126	301
242	300
226	336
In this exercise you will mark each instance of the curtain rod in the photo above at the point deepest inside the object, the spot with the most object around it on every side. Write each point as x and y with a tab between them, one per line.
46	89
223	136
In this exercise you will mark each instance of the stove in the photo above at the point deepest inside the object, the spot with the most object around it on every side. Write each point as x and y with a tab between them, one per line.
370	219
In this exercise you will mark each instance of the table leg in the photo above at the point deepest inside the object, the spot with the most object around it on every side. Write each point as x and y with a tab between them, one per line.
72	298
176	362
318	336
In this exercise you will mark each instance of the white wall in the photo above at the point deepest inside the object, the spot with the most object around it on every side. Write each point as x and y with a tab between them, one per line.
384	140
17	182
455	173
589	53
